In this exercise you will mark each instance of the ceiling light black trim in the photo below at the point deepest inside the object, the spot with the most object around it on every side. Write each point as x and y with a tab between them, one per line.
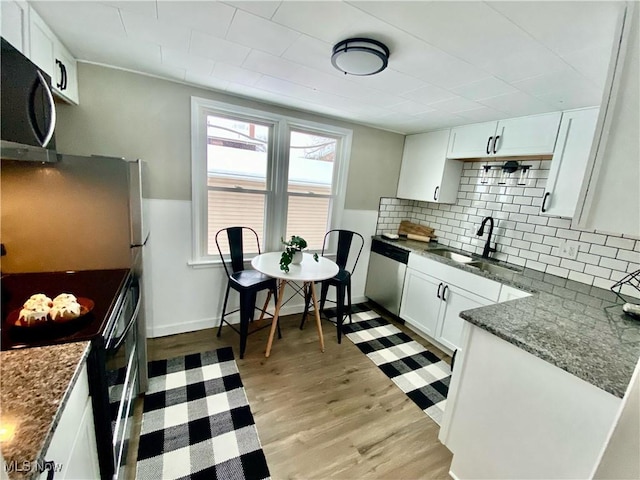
366	45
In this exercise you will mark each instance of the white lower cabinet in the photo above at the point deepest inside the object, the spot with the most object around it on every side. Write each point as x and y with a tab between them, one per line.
73	449
513	415
434	295
420	306
454	301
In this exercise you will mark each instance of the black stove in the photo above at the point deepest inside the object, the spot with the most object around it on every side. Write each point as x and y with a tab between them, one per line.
101	286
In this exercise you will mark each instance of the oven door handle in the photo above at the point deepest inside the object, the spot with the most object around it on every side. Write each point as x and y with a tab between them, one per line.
117	343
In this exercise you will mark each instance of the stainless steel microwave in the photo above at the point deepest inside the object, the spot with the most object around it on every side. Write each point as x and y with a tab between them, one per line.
28	110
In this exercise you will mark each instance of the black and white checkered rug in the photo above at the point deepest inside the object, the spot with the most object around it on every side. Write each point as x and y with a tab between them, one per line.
197	423
415	370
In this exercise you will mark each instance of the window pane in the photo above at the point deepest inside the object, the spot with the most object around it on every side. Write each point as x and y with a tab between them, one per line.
308	217
236	151
231	209
311	161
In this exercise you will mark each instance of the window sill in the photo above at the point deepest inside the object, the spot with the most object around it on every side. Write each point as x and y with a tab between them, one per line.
205	263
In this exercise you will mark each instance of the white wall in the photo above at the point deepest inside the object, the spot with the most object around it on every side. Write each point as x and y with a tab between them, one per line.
186	298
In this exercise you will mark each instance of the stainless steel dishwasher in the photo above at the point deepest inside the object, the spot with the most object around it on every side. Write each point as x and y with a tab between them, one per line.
385	276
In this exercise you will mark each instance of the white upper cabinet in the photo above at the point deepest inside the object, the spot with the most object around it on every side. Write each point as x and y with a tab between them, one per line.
65	79
610	197
426	174
531	135
569	162
15	24
470	141
48	53
42	41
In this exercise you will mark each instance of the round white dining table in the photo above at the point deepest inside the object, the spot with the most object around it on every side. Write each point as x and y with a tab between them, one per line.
308	272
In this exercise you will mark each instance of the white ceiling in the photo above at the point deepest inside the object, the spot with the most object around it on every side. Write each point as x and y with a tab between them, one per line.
451	62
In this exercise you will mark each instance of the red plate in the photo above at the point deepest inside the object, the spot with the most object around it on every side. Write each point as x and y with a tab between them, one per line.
86	305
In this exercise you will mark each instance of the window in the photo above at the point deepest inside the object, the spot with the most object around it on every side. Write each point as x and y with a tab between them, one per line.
279	175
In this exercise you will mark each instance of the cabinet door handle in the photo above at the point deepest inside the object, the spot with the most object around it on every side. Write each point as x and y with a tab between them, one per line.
439	287
444	291
495	144
488	149
60	84
544	201
64	76
435	193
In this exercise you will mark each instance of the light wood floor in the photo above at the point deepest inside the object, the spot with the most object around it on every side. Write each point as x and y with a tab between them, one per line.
331	415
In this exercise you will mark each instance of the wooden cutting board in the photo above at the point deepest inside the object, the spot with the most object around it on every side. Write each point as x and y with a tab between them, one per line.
406	227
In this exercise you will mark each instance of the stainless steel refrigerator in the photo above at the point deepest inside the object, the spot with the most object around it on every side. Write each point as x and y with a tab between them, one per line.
80	213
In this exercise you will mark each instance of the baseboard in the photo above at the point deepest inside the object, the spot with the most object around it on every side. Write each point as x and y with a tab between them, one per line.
211	322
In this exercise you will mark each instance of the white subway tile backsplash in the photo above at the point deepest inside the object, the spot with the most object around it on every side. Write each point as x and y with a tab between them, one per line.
603	251
534	192
523	236
549	260
510	208
533	237
541	267
553	241
516	260
550	231
537	247
603	283
597	271
517	217
581	277
529	255
588	258
614	264
535	220
559	222
537	202
529	210
629	256
617	242
558	271
572	265
525	227
593	238
521	244
522	200
617	276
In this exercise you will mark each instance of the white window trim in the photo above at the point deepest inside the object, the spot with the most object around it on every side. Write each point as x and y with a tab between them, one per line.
199	108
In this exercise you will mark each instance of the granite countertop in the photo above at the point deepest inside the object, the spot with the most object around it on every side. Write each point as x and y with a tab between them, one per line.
574	326
35	384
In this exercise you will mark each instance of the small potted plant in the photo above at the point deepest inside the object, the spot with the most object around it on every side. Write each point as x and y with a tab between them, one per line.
293	252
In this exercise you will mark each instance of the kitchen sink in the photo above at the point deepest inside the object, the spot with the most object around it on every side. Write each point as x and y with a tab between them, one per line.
493	268
475	262
456	257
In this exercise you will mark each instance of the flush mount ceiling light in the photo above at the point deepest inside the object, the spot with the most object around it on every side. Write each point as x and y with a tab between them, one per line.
360	56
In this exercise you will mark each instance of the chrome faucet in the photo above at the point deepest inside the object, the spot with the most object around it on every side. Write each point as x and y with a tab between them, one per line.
487	246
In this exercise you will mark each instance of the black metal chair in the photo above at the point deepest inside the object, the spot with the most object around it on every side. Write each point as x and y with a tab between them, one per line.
247	282
342	280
